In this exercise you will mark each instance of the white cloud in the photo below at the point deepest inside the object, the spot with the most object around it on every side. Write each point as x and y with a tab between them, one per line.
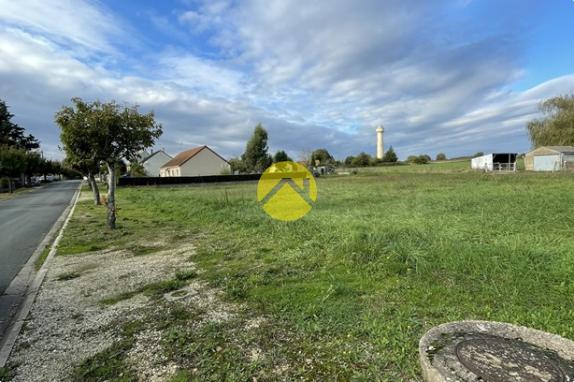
316	74
66	21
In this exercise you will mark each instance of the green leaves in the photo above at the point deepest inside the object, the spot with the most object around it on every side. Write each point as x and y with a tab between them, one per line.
13	135
557	128
104	132
256	158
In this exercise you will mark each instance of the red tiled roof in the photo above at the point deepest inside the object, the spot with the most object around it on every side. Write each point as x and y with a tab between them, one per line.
186	155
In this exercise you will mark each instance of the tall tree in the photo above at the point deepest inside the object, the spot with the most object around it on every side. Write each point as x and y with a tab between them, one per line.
256	158
557	127
281	156
107	133
390	156
13	135
441	156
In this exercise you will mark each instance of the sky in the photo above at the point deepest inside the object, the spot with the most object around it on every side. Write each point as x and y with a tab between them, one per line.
452	76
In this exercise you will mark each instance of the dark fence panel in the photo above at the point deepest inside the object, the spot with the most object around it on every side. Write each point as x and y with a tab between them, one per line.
158	181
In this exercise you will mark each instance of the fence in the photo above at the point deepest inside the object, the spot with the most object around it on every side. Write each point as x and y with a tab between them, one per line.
174	180
504	166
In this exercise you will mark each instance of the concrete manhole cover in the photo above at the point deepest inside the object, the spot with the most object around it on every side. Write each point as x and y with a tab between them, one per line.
495	352
499	359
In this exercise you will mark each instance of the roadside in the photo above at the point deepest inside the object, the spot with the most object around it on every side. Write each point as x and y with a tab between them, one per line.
24	222
17	192
129	306
137	312
27	231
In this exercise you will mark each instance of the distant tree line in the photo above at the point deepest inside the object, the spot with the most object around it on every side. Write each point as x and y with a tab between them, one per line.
20	158
363	159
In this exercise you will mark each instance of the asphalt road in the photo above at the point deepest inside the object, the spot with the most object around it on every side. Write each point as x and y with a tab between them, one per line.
25	220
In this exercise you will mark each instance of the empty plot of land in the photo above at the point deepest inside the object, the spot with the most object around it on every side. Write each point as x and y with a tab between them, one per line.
347	291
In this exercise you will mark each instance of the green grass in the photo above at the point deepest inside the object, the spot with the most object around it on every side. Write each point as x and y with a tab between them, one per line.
42	258
68	276
383	256
110	364
6	374
15	193
155	289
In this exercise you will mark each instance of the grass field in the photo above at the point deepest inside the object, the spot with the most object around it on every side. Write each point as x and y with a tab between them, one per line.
383	256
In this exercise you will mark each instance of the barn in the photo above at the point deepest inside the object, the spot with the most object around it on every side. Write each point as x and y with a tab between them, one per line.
550	158
199	161
495	162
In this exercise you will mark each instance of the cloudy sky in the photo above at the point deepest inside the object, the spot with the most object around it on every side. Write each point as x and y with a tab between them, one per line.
457	76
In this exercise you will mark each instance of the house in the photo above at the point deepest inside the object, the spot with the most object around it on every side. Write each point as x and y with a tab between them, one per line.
153	161
198	161
495	162
550	158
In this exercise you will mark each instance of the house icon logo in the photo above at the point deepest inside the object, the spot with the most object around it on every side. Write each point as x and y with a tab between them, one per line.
287	191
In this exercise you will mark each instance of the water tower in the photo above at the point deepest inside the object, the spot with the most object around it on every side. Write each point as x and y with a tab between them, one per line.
380	146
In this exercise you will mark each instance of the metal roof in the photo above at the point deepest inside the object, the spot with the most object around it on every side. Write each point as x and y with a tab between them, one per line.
557	149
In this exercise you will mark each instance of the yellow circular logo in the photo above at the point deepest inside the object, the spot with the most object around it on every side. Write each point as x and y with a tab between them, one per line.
287	191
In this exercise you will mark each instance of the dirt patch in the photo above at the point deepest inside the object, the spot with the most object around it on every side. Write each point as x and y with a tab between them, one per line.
75	318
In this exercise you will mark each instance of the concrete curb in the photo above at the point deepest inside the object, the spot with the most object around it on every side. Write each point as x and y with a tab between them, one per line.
23	290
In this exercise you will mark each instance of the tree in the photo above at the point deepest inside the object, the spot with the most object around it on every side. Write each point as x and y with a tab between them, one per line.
137	169
349	160
256	159
78	138
557	127
12	163
441	156
237	165
281	156
107	133
478	154
321	155
13	135
390	156
420	159
362	160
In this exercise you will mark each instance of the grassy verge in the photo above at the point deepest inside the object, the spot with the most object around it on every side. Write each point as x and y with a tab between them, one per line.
15	193
382	257
42	258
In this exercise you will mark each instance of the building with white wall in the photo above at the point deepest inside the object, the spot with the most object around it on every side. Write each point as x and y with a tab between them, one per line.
199	161
550	158
495	162
153	161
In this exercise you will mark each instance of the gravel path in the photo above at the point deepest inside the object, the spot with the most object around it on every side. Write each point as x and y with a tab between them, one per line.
68	322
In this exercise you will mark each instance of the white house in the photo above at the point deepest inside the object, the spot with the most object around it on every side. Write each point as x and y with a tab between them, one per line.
152	162
198	161
495	162
550	158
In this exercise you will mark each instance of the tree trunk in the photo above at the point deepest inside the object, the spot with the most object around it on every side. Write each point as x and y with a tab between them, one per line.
95	191
111	195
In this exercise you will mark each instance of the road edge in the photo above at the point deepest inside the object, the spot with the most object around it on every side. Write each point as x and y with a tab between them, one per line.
27	282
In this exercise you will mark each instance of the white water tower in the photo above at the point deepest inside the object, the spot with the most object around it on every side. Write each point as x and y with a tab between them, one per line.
380	146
